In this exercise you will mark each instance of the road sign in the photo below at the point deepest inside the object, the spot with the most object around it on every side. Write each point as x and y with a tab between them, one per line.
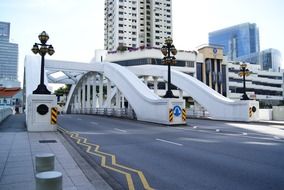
177	111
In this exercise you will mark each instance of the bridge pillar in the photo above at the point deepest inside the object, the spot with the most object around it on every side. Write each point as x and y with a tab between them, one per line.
94	102
122	101
101	88
83	96
118	99
88	104
39	112
76	102
79	98
108	88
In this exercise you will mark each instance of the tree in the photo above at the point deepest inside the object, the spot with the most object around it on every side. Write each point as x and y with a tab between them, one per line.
64	90
121	48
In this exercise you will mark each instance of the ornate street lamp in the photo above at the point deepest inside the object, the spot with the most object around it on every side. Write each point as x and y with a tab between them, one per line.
243	73
44	48
167	50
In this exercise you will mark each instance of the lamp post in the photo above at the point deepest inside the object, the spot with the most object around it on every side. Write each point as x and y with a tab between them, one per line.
243	73
44	48
167	50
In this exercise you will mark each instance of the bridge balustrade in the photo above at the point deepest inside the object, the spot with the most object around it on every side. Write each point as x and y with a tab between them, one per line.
4	113
115	112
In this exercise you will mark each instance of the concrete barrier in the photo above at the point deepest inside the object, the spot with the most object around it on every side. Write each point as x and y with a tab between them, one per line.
265	114
278	113
44	162
51	180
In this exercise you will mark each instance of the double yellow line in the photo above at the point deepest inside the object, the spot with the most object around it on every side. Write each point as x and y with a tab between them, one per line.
95	151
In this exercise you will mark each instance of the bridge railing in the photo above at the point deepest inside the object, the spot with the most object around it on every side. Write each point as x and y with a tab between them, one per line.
197	113
114	112
4	113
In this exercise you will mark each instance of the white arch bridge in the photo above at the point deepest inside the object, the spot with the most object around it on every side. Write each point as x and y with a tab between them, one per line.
107	87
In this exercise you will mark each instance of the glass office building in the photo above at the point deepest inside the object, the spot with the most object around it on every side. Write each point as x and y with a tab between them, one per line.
237	41
268	59
8	56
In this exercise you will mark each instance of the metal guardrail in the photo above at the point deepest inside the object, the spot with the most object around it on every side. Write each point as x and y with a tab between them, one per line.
114	112
4	113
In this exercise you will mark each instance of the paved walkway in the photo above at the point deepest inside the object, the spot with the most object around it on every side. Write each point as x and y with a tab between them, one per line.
17	160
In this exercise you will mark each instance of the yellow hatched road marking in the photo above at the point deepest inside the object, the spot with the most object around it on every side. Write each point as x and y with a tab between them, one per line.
103	161
113	159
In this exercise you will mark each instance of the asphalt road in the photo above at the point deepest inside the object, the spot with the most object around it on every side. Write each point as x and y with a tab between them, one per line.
202	155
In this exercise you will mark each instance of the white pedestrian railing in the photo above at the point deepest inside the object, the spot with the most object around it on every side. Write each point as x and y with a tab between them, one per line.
4	113
115	112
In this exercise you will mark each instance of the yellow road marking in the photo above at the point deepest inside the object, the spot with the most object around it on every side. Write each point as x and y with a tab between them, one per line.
103	160
113	160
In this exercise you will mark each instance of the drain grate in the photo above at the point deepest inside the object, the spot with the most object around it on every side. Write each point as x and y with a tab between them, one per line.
47	141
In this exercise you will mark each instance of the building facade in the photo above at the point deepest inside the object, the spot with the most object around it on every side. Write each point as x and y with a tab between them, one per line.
212	68
239	40
8	57
264	86
269	59
132	24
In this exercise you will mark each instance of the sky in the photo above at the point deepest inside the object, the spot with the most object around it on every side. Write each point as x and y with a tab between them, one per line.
76	28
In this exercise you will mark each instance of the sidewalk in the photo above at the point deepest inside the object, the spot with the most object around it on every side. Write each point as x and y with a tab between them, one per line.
17	161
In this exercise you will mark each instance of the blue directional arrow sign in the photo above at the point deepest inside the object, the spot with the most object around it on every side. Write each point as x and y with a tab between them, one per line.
177	111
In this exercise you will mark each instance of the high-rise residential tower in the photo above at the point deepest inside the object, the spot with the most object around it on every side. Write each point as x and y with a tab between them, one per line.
137	23
8	58
239	40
